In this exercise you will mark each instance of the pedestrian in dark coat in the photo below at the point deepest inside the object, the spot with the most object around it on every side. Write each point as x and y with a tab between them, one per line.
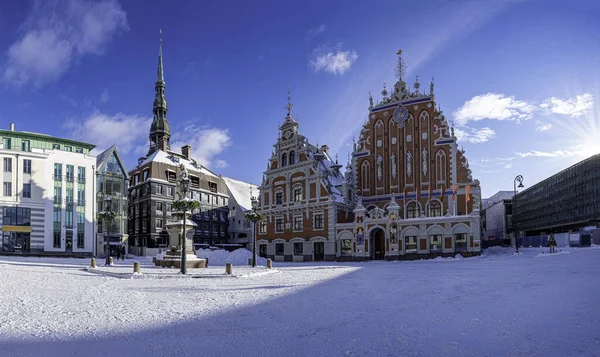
552	243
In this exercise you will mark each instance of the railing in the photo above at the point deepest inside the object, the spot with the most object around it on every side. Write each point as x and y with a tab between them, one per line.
57	199
69	225
69	200
70	178
57	177
81	202
81	179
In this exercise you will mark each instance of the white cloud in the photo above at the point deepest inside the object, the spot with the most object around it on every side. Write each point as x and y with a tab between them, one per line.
102	130
473	135
540	126
315	31
335	61
555	153
59	33
574	107
206	142
104	97
493	106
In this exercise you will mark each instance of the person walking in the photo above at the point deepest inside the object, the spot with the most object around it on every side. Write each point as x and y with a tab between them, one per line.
118	253
552	243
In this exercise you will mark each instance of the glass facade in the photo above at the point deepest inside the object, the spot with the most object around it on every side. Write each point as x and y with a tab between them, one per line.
112	182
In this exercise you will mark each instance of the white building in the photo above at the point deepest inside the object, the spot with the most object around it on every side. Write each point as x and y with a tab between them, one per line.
240	194
48	194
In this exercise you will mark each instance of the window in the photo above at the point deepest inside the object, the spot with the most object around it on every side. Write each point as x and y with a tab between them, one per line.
262	227
17	216
292	158
69	198
25	145
298	248
346	247
7	164
69	148
159	189
57	195
460	242
68	218
297	194
70	173
58	172
169	191
318	221
212	186
435	242
365	172
26	190
56	146
26	166
79	150
136	179
80	240
440	166
279	225
435	209
56	240
159	224
410	243
145	175
81	174
279	198
298	223
283	160
7	189
411	210
159	206
144	225
278	248
7	143
57	215
262	250
81	197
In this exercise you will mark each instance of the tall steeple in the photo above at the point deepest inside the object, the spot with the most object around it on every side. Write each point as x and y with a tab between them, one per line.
160	131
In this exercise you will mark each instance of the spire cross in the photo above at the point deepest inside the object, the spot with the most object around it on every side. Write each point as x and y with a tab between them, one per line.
289	105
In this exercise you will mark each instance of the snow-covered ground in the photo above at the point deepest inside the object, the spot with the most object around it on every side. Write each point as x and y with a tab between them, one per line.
499	304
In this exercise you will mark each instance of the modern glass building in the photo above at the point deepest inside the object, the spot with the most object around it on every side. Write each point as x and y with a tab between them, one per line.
567	201
112	181
47	191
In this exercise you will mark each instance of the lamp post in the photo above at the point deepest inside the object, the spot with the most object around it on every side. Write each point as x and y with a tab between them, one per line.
253	217
184	187
108	213
518	179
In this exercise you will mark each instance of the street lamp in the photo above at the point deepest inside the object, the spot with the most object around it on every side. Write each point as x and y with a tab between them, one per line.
253	217
518	179
184	187
108	213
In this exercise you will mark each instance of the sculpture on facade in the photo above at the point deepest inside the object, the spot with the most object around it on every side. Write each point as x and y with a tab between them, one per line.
408	163
393	165
424	157
379	167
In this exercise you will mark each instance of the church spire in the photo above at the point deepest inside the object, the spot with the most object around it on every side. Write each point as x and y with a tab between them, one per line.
160	131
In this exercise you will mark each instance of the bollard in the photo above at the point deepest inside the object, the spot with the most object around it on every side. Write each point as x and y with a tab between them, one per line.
110	261
206	266
249	261
228	268
136	268
269	264
93	265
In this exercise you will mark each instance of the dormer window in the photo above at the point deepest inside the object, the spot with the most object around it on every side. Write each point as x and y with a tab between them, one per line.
283	160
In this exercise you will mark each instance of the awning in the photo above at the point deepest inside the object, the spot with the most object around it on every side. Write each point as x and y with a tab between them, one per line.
21	229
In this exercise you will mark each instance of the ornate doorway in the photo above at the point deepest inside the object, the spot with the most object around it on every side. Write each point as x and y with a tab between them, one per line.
377	244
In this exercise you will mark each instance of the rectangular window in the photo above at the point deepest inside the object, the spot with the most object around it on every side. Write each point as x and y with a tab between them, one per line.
279	225
410	244
297	195
262	250
80	240
145	175
7	143
278	248
159	224
460	242
170	191
319	221
7	164
79	150
69	196
25	145
298	248
57	195
144	225
55	146
70	173
56	214
56	240
81	174
69	148
212	186
159	206
68	218
58	172
435	242
26	190
159	189
279	198
7	189
136	179
26	166
298	223
81	197
262	227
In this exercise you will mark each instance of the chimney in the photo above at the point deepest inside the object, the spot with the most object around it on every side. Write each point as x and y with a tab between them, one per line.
186	151
325	149
12	126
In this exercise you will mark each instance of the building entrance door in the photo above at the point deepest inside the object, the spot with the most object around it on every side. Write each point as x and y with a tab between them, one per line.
319	251
378	252
69	242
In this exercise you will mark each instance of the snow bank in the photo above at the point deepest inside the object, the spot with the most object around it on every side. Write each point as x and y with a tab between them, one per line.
221	257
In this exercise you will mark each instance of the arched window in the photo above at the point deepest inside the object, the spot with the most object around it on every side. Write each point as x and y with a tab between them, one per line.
435	209
283	160
440	166
365	174
292	158
412	210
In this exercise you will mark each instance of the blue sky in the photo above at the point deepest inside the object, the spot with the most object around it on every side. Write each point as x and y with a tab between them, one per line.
520	78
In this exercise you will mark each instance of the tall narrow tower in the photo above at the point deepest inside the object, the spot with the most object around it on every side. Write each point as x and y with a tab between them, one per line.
160	132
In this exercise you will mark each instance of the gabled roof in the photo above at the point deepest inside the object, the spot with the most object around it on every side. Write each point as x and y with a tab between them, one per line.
103	157
240	191
175	159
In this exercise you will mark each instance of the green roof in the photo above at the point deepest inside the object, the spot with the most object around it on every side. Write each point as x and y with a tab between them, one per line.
44	137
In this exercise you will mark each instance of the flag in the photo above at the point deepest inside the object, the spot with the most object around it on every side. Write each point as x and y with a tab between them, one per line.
454	192
468	193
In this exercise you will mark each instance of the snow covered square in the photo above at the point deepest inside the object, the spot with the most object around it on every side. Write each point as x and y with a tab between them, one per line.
499	304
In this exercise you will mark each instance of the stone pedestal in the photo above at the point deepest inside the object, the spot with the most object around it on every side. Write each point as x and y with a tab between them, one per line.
172	257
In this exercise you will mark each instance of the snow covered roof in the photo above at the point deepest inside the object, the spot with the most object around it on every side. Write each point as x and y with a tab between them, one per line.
497	197
334	180
240	191
176	160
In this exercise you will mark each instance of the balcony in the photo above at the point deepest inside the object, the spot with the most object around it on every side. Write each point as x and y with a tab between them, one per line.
57	177
57	199
70	178
81	202
80	179
69	225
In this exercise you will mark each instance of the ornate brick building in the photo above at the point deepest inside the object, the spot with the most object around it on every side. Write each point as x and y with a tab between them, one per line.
303	195
416	194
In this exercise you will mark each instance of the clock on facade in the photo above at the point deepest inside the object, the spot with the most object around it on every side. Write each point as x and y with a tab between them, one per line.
400	115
